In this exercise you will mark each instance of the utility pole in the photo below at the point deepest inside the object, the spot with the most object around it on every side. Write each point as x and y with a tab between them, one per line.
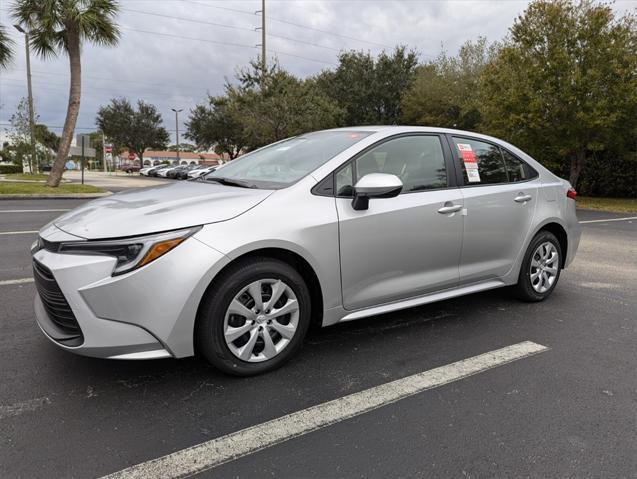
263	63
262	28
83	139
177	130
104	152
34	158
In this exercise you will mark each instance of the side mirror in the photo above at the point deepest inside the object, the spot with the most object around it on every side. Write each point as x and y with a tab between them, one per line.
375	185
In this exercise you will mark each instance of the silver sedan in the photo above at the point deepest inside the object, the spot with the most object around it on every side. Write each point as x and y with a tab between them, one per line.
325	227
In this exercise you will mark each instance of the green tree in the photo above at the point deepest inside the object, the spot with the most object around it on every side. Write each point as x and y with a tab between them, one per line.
46	137
20	134
136	130
444	91
277	105
62	26
217	125
6	48
368	89
182	147
564	86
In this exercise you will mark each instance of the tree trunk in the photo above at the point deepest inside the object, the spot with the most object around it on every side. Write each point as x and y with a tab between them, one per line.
577	164
73	108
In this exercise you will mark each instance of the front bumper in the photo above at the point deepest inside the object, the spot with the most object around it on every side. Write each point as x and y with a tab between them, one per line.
145	314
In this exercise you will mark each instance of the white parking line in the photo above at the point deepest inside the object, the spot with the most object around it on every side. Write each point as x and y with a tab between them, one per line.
22	407
7	282
33	211
610	219
17	232
238	444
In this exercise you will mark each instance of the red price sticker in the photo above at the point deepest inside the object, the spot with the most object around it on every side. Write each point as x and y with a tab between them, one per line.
468	157
466	153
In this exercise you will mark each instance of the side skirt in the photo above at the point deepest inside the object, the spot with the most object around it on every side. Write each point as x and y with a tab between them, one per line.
420	300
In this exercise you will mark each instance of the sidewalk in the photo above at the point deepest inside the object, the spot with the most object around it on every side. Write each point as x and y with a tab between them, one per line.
113	180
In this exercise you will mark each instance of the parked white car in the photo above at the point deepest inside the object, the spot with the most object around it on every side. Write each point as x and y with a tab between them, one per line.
164	171
197	172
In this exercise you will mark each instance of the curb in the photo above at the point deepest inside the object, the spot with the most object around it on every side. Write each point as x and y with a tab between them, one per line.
68	196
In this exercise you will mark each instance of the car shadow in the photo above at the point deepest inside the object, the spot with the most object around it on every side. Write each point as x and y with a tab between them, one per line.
323	346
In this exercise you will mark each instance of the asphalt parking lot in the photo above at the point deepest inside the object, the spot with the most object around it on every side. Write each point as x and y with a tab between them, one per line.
568	411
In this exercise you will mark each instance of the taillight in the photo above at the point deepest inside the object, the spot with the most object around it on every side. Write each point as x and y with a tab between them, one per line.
571	193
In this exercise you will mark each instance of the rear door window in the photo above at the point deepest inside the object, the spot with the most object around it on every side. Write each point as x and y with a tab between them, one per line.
481	162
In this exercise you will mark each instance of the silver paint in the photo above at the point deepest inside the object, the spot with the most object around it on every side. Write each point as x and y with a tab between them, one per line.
401	252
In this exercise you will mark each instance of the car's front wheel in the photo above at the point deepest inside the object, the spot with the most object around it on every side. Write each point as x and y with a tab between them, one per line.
540	269
254	317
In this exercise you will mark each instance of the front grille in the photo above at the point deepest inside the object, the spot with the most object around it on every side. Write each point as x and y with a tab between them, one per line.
54	302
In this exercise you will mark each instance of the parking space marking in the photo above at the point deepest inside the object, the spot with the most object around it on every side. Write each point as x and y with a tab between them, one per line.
610	219
7	282
34	211
17	232
227	448
22	407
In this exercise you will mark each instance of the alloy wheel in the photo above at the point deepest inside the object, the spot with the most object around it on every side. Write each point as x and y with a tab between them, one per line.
544	267
261	320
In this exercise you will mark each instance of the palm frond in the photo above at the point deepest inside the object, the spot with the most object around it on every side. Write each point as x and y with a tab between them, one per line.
6	48
97	22
42	20
43	43
48	22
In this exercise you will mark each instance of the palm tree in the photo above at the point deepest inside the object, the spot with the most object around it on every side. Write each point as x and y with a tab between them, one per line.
61	26
5	48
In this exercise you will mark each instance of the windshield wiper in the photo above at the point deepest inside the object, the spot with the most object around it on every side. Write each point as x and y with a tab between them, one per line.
230	182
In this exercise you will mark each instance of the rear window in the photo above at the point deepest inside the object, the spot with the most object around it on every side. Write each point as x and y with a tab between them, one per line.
515	168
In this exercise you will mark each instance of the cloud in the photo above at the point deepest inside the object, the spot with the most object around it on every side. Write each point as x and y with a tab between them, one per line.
174	72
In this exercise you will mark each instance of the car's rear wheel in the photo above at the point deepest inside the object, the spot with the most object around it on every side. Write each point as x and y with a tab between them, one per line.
254	317
540	269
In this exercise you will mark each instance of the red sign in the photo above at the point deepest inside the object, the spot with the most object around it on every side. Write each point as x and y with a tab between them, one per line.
131	156
108	149
466	153
468	156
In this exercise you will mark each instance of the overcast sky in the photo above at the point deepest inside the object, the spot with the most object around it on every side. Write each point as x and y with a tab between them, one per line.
173	52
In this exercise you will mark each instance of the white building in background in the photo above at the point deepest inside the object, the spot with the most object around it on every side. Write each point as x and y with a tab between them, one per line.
156	157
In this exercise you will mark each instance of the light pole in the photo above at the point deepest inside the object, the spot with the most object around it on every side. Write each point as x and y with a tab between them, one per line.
34	158
177	130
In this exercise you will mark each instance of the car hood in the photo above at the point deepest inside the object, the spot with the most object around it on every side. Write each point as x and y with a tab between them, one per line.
162	208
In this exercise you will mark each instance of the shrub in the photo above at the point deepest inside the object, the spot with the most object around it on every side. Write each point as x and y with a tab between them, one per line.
8	169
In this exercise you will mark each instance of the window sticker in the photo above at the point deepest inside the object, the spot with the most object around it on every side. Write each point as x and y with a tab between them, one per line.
473	176
470	162
467	154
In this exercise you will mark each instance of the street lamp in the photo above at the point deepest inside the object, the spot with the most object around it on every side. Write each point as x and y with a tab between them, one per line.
177	130
34	158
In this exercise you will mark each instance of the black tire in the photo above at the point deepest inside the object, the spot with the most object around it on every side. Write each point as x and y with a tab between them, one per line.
524	289
209	334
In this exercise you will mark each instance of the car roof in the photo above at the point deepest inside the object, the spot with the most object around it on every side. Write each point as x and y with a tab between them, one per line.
409	128
388	130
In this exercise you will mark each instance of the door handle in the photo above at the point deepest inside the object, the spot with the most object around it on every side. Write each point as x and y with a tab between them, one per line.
449	209
522	198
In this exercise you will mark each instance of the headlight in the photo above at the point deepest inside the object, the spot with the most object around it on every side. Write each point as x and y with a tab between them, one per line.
131	253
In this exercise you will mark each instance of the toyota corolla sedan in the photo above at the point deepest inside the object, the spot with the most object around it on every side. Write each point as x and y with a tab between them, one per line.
321	228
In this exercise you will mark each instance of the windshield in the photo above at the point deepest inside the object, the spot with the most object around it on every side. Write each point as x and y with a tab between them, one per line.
284	163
